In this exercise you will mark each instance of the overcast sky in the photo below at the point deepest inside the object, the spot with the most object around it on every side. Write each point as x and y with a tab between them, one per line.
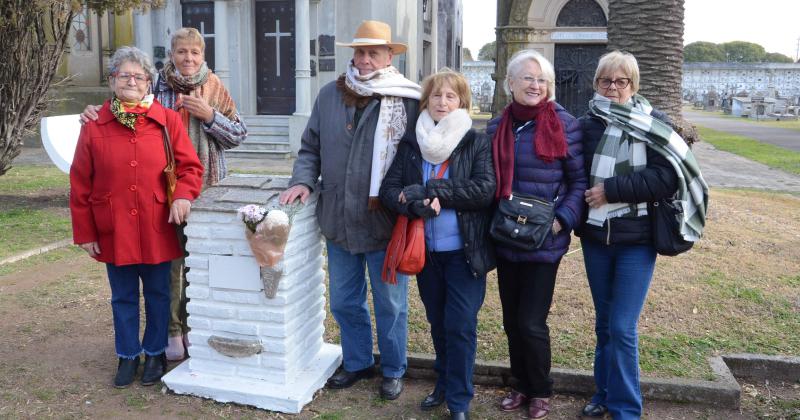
774	24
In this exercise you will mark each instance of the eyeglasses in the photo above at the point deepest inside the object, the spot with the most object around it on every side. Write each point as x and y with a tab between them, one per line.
620	83
126	77
531	80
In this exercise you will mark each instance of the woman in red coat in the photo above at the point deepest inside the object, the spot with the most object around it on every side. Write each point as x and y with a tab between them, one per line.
119	208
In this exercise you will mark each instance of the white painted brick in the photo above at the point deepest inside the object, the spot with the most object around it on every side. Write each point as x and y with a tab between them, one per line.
228	231
235	327
201	352
213	217
254	360
237	297
277	345
262	314
210	247
303	226
197	277
197	291
301	243
241	247
268	375
197	322
274	361
308	355
196	231
197	262
217	368
210	309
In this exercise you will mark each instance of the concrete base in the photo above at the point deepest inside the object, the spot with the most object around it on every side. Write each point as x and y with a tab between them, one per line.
289	398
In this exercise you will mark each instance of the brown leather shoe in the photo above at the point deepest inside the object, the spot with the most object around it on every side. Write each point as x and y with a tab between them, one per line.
513	401
538	408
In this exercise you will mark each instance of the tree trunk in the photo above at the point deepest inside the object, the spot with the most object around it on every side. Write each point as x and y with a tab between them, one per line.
33	40
652	30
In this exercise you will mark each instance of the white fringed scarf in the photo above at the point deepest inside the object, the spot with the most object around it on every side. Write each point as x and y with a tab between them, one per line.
392	119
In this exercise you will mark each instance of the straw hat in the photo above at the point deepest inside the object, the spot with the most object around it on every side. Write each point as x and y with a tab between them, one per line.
373	32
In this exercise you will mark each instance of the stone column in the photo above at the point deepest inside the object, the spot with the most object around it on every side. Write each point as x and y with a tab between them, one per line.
222	64
302	39
143	31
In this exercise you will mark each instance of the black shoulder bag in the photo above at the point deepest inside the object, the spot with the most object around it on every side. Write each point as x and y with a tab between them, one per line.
665	227
522	221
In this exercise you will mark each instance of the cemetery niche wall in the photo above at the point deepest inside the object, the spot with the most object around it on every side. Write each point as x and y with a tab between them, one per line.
247	347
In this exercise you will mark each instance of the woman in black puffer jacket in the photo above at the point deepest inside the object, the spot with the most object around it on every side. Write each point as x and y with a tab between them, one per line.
625	174
444	174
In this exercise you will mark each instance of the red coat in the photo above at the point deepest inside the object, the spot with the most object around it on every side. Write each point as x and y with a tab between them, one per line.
118	191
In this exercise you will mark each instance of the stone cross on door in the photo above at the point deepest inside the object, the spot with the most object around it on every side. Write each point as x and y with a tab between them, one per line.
277	35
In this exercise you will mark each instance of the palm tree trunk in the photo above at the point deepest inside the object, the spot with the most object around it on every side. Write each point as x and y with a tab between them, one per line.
652	30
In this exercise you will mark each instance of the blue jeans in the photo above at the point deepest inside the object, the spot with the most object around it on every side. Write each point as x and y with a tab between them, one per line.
124	281
348	292
452	299
619	277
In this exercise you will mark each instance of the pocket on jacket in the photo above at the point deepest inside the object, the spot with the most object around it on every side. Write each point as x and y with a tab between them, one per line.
327	211
103	214
160	213
381	222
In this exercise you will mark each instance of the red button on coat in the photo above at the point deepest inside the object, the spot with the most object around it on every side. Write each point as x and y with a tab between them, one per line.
132	188
134	212
133	139
134	163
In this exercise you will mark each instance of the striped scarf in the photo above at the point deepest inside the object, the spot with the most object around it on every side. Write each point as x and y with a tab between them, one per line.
630	128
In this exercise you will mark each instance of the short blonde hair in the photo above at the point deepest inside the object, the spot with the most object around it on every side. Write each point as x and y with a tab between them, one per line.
191	35
455	80
618	60
515	66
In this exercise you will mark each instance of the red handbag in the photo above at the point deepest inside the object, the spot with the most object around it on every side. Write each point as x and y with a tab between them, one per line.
406	251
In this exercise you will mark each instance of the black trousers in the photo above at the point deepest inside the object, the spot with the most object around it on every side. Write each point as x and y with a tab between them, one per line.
526	292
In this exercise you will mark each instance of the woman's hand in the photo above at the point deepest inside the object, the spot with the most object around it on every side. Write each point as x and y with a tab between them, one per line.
90	113
93	248
180	211
596	196
556	227
435	205
198	108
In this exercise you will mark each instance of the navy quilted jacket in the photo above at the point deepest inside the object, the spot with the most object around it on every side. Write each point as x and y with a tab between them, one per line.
564	179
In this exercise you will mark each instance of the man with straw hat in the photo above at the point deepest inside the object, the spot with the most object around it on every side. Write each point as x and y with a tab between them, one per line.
350	141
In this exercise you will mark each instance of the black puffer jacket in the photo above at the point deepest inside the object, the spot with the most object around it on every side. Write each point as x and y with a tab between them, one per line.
658	180
469	190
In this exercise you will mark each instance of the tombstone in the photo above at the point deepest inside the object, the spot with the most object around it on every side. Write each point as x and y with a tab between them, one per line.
245	347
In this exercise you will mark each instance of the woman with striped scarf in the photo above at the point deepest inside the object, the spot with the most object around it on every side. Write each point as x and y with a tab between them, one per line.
637	158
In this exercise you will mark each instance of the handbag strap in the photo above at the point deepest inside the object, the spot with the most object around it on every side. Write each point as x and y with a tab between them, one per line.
168	149
442	169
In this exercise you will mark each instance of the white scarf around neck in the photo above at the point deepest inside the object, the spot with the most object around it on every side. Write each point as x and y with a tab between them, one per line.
437	141
392	118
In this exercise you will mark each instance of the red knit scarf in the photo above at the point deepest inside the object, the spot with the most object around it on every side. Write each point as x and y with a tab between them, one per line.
550	142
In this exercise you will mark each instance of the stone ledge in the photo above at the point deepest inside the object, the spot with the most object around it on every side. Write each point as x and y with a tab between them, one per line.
723	391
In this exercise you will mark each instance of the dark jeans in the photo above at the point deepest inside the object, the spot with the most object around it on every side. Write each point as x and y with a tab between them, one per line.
619	276
452	299
124	281
526	292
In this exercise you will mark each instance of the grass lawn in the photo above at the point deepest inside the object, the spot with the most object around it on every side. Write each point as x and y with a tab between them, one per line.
738	290
765	121
772	156
33	208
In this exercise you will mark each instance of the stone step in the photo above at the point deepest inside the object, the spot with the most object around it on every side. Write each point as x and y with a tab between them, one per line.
257	154
267	135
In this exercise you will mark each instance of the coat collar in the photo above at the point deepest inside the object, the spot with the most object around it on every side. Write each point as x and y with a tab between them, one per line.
155	113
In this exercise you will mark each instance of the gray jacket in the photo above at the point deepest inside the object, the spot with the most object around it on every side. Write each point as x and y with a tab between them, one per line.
342	155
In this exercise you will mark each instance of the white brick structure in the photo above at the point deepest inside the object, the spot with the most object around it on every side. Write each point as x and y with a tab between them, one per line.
731	78
246	348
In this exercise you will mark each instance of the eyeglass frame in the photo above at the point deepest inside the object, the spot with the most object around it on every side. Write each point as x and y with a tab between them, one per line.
126	77
613	82
530	79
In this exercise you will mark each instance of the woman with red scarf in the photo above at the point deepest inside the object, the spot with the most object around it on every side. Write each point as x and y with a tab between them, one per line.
537	152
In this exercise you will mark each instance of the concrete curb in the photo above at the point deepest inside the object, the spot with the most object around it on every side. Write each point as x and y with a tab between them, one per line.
723	391
35	251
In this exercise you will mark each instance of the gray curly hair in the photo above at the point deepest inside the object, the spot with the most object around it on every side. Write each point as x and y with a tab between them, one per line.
133	55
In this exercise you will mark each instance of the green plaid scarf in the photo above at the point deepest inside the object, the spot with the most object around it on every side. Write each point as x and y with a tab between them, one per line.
630	128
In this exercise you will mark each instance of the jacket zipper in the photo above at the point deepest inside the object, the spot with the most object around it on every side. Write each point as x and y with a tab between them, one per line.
608	235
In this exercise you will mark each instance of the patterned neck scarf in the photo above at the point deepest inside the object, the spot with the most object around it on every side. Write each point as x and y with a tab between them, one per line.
184	84
622	149
127	112
392	86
